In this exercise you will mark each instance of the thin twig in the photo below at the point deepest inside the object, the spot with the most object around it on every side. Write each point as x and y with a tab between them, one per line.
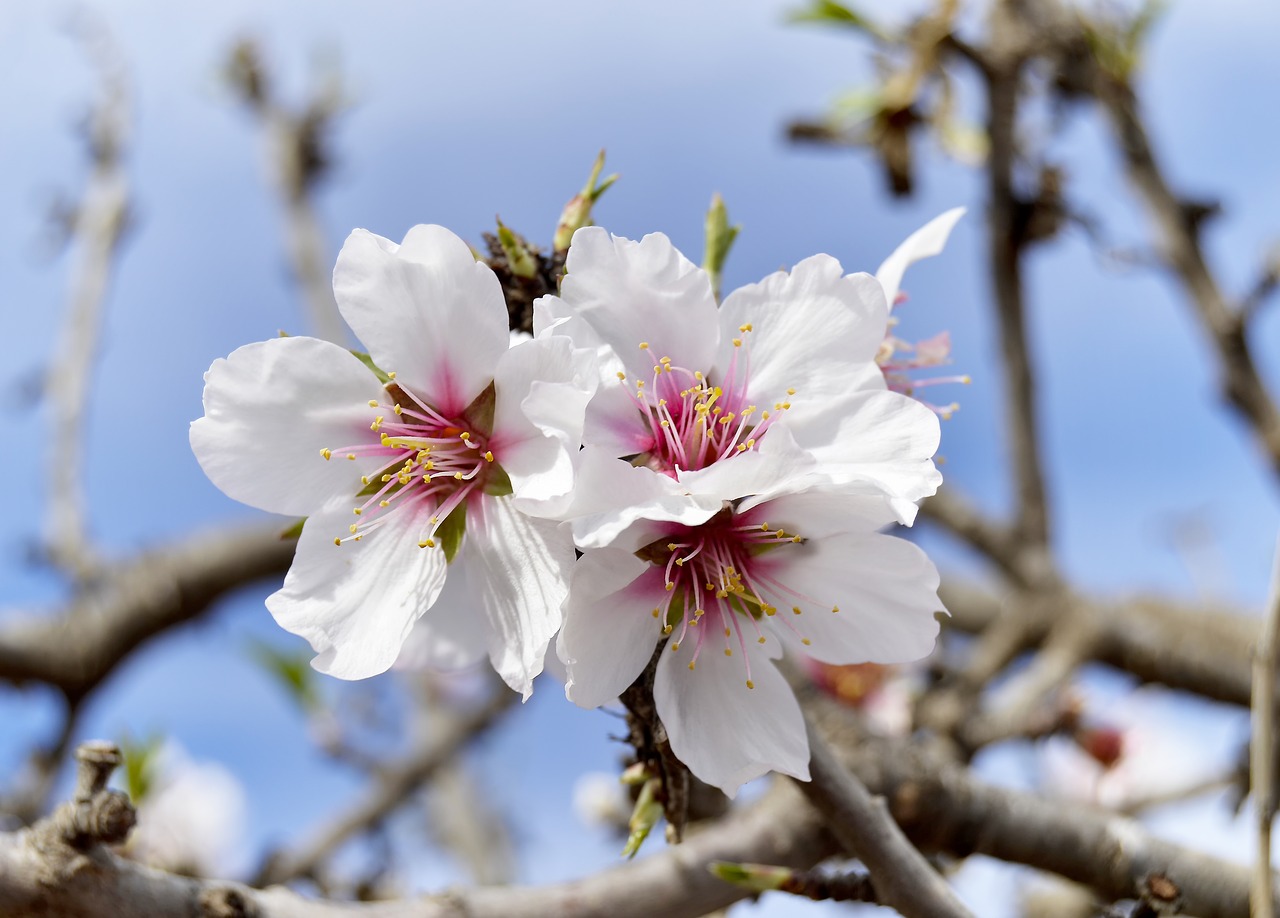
1262	759
902	877
99	223
391	790
297	147
1006	242
1179	224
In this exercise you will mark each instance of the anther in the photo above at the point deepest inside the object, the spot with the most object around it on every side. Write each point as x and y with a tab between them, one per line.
795	609
373	403
805	641
675	645
326	452
357	511
750	684
488	456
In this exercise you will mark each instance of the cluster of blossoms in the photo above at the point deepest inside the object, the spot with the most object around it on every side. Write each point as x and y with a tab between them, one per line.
652	469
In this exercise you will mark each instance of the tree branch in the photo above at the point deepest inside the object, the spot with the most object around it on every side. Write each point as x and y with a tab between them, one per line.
1262	750
392	787
903	880
99	222
77	647
1179	223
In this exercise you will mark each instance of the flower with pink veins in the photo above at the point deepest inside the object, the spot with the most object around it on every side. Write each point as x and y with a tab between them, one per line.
795	565
402	481
687	384
899	358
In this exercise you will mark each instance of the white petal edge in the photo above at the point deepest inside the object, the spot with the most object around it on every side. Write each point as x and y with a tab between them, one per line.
609	630
925	242
728	734
270	408
541	391
879	436
355	603
811	330
886	589
518	569
426	310
452	634
642	292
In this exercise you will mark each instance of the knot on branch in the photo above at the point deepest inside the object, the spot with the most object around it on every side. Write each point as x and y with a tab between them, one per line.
95	815
226	902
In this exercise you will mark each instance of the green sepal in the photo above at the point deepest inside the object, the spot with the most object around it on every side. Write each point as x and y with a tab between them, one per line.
451	531
479	413
368	362
498	482
294	532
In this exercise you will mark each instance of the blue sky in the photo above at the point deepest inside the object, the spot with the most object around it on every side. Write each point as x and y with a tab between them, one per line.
462	111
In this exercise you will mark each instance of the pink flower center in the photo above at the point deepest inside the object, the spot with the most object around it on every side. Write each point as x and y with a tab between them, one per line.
717	583
432	464
690	421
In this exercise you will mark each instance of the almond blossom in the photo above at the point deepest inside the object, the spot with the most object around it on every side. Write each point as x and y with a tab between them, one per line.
687	384
402	479
727	588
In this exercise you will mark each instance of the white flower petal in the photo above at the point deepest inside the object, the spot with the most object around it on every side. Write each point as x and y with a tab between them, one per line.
777	465
633	292
609	631
270	408
452	634
542	388
518	568
886	590
725	732
884	437
820	511
923	243
611	494
811	329
426	310
356	602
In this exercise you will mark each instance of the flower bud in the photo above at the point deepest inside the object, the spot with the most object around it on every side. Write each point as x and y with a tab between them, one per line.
720	236
644	817
577	213
519	259
755	877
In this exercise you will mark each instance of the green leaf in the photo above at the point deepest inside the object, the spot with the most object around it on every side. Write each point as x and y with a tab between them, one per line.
451	532
830	12
368	362
140	758
291	669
